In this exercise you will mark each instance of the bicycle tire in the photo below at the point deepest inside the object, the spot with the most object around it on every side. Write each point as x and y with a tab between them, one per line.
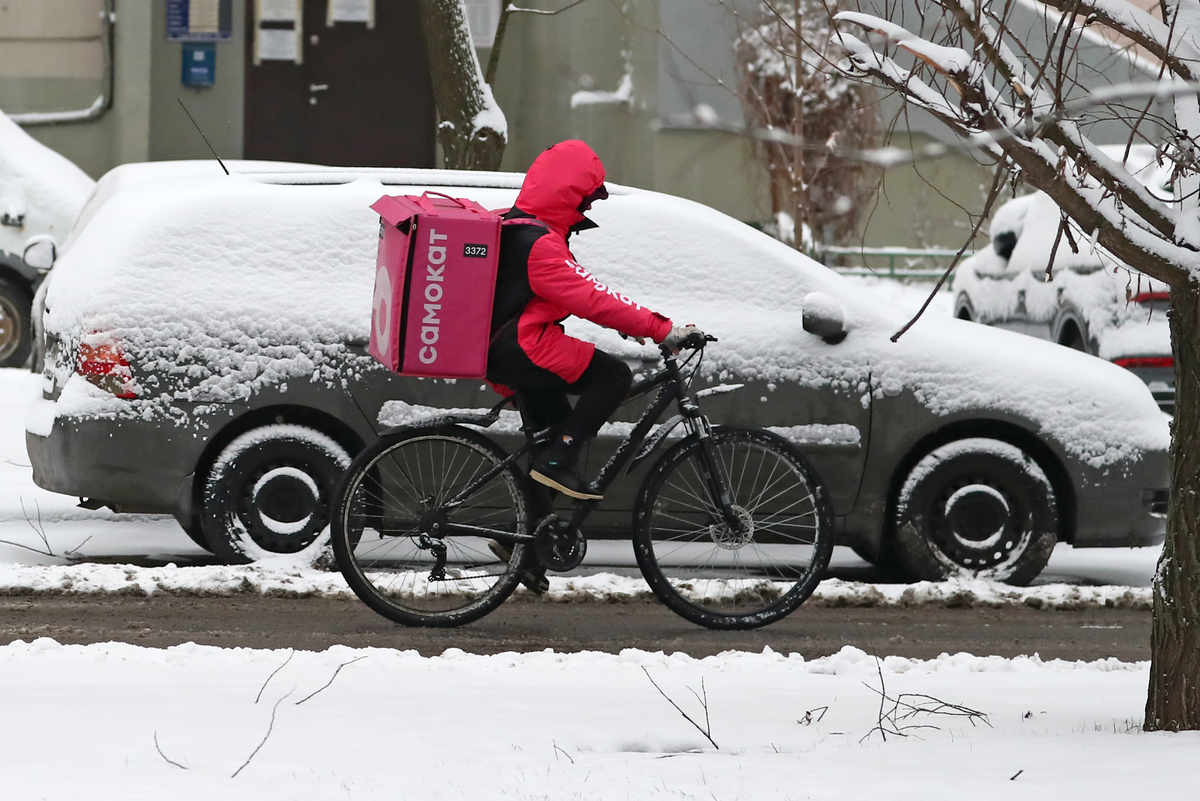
703	571
377	538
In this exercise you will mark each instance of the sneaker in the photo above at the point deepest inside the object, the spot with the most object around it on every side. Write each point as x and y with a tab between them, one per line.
534	579
560	474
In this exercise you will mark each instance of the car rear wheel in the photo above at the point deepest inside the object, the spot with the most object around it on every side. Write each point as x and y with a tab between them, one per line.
16	340
976	508
268	494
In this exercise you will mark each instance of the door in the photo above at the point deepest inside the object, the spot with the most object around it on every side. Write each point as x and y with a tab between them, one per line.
361	97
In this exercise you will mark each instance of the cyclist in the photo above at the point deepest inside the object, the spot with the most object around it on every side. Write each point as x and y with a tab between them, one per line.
540	284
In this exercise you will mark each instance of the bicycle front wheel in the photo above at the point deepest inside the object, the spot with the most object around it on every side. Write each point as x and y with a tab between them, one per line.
741	576
391	518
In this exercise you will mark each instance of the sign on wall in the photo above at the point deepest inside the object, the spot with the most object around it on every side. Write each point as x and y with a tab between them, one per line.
350	11
199	20
278	30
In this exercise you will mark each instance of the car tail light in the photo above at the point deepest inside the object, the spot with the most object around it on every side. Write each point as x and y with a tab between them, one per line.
104	365
1135	362
1152	297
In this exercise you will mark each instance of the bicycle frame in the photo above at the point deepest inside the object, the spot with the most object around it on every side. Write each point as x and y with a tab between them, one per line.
671	389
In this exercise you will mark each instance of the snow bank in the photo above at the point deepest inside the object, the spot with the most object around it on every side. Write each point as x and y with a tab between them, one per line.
285	577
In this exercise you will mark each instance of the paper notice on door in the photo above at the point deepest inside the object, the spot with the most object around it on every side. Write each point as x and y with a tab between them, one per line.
279	10
275	44
351	11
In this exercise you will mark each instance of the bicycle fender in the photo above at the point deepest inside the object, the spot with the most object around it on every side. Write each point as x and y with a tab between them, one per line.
653	441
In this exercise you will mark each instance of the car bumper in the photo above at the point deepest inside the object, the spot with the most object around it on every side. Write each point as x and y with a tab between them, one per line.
1125	510
81	457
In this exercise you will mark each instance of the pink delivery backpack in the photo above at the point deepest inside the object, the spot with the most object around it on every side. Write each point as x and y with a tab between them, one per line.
435	279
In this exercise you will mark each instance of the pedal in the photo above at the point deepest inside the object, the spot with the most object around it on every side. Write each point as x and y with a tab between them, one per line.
534	579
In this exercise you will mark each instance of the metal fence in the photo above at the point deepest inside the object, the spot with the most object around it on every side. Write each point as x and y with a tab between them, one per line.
903	263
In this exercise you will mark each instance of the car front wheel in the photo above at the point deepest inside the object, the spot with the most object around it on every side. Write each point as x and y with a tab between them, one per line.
976	508
268	494
16	340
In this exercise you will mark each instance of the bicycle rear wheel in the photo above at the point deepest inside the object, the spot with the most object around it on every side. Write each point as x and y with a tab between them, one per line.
390	509
704	570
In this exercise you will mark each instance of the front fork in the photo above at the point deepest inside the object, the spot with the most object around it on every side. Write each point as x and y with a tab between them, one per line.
712	472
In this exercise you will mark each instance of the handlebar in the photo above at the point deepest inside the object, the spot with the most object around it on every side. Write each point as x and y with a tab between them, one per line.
695	341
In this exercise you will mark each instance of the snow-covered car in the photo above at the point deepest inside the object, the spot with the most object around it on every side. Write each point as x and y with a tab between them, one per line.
206	356
1088	301
41	193
120	178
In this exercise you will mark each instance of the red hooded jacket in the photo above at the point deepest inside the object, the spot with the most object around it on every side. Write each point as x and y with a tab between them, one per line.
548	285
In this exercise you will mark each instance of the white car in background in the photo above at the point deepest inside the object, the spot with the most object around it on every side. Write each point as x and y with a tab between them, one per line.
1088	301
41	194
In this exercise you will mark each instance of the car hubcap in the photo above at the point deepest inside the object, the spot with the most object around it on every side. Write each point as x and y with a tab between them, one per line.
976	525
282	509
10	336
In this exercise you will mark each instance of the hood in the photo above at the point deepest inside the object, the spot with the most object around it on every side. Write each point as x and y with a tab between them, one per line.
558	181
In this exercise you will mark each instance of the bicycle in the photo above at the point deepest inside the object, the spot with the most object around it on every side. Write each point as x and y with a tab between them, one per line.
732	526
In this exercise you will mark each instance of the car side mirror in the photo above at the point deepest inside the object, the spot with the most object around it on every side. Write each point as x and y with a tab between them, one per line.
824	317
41	252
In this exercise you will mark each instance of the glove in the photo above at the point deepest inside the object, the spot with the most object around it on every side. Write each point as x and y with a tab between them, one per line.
684	336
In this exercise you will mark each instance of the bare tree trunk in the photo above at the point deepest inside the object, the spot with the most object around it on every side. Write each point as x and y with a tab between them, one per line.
1173	702
472	131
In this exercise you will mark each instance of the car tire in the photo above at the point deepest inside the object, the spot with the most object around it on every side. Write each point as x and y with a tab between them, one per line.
975	508
268	494
16	338
195	532
963	309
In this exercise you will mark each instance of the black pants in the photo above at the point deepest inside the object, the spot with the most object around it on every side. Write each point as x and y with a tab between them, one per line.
543	395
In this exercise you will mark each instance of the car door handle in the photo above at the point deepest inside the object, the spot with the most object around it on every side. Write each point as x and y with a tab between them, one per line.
318	87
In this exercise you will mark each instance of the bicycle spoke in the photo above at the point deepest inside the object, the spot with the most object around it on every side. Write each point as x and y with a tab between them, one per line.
744	571
392	553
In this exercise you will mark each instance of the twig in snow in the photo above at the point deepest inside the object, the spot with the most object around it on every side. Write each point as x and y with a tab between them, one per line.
170	761
270	727
273	672
808	718
906	706
331	678
702	697
1013	777
40	529
558	751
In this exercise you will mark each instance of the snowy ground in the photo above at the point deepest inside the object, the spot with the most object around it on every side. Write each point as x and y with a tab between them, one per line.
116	720
188	722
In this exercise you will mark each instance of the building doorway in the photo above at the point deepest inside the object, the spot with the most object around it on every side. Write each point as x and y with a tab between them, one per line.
357	95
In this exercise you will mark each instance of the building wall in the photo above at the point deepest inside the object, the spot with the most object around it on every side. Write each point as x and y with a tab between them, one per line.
559	77
122	133
217	109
